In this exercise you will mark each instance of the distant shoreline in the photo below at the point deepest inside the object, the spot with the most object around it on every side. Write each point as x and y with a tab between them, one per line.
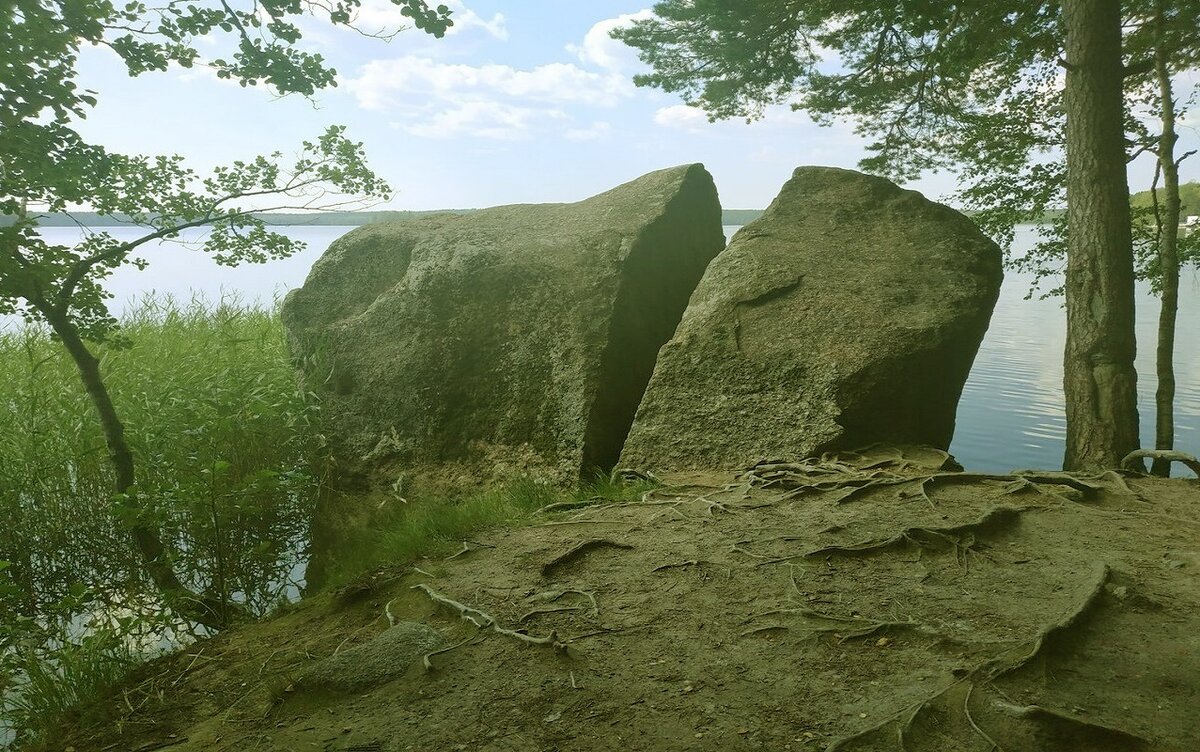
1190	195
325	219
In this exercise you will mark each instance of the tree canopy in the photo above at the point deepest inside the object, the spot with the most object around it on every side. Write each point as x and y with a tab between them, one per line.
45	166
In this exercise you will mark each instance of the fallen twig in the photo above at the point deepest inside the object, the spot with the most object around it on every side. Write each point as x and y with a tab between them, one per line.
428	664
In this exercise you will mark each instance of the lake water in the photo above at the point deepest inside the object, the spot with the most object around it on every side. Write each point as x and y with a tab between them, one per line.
1011	412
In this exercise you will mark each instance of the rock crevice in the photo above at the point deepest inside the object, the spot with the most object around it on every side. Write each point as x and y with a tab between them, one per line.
517	339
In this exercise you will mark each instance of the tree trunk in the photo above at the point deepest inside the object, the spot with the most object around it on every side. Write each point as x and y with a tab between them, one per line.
145	537
1168	260
1099	380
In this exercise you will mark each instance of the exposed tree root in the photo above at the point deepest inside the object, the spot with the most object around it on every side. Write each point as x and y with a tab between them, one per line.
852	481
567	506
577	551
1098	735
902	720
1187	460
671	498
483	621
630	475
845	627
426	660
679	565
958	537
999	666
467	547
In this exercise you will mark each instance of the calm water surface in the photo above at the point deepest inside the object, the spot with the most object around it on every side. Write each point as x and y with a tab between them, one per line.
1011	413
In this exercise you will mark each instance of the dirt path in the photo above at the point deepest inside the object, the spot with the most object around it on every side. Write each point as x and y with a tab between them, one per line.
872	603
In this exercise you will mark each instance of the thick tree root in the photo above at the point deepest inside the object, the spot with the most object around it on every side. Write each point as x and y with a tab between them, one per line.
1187	460
957	537
1100	736
984	674
483	620
1002	665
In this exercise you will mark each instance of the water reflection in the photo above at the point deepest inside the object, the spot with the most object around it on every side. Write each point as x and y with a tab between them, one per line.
1011	412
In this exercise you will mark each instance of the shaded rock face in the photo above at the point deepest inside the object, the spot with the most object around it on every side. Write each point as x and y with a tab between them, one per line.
518	335
848	314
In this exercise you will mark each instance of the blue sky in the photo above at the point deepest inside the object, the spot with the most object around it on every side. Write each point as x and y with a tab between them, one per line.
523	102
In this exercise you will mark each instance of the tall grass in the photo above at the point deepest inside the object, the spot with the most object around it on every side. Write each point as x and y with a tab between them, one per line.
229	463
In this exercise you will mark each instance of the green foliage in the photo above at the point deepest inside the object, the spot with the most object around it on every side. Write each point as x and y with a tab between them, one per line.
926	82
231	457
207	399
232	464
46	166
42	280
1189	197
972	86
56	683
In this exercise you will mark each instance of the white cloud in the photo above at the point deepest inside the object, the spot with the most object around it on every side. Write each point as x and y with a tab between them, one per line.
601	50
681	116
384	83
382	16
468	19
597	131
491	120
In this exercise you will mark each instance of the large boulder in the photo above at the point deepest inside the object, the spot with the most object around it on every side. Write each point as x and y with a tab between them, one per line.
519	337
848	314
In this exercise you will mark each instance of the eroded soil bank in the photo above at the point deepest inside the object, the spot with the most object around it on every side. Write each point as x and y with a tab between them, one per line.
868	602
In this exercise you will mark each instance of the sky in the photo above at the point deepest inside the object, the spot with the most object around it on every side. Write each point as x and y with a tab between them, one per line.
526	101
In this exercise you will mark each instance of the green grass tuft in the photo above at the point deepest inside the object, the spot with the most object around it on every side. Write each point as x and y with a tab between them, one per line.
56	689
437	527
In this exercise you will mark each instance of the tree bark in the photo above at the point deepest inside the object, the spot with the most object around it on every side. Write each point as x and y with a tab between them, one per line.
145	537
1099	380
1168	261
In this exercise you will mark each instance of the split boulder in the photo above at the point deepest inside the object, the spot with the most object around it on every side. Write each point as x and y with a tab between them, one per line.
521	336
848	314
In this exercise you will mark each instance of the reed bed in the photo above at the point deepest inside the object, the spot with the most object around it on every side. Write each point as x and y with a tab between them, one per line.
229	464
